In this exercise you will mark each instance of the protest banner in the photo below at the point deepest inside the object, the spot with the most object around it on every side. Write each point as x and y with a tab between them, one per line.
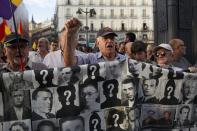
109	96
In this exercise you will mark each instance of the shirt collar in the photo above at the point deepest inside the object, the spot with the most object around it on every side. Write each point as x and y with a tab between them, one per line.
8	69
99	56
76	53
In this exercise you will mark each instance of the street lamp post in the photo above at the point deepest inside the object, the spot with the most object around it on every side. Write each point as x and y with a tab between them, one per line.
92	12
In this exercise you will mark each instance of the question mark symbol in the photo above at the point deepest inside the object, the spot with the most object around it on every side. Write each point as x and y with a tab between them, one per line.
110	87
95	122
93	69
67	94
116	117
169	89
44	73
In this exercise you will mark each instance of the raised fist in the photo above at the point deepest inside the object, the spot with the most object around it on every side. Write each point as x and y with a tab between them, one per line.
72	26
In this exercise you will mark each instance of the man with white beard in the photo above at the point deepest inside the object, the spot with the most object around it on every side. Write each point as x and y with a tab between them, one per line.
16	52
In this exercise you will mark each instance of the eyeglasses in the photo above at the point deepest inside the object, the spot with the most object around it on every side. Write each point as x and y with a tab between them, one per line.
87	94
162	54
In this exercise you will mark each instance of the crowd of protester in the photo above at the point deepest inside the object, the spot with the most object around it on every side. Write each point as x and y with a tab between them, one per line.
66	51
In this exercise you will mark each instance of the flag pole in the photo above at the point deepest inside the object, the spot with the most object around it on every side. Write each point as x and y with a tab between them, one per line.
22	67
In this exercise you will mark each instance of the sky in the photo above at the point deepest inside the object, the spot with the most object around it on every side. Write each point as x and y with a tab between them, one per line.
40	9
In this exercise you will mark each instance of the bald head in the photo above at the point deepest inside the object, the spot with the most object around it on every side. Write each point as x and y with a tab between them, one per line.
178	48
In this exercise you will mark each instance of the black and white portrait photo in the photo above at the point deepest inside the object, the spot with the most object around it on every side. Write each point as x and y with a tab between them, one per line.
193	129
16	81
69	76
45	78
132	68
42	103
17	106
194	115
45	125
75	123
170	98
68	97
95	72
113	70
149	87
96	122
116	119
183	116
110	94
23	125
189	91
1	126
132	119
129	86
89	96
1	107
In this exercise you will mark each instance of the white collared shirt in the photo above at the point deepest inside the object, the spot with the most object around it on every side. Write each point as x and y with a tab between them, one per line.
56	59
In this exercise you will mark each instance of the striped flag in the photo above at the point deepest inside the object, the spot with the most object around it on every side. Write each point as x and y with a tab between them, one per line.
4	30
5	10
20	28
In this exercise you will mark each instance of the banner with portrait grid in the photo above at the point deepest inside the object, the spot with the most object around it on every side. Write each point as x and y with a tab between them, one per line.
109	96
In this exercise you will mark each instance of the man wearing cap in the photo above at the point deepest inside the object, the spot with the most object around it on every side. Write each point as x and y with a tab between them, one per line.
164	57
16	52
68	41
106	44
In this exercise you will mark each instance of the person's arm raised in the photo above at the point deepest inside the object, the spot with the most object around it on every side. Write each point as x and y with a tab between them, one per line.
68	41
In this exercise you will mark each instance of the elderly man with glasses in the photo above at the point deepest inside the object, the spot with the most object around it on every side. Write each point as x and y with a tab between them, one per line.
16	52
164	58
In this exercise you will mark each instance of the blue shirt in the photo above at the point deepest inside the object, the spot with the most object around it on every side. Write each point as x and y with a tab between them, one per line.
94	58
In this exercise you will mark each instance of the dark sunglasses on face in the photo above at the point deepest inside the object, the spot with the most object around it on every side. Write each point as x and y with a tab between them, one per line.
162	54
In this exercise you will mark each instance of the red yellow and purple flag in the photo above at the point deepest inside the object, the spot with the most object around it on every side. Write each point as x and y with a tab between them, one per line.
20	28
4	30
5	8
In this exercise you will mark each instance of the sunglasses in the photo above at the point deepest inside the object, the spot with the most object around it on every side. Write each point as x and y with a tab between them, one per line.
162	54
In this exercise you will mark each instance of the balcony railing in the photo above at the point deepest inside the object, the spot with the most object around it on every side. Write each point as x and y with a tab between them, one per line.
81	3
144	4
132	4
101	3
102	16
122	4
145	16
68	15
